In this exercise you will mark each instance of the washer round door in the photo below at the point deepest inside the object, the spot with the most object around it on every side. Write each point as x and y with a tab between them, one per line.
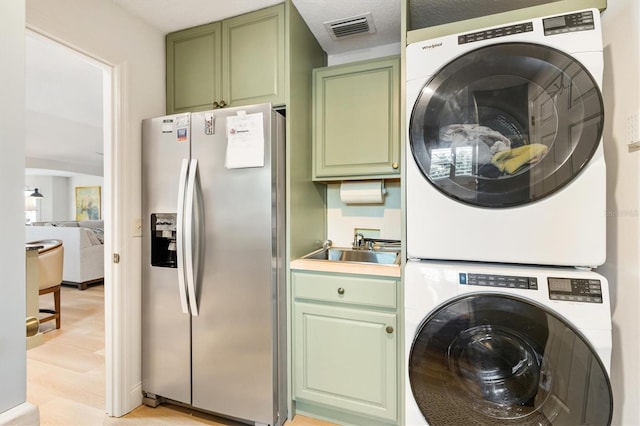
506	124
490	359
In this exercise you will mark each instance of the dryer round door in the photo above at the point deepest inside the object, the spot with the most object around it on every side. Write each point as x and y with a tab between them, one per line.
491	359
506	124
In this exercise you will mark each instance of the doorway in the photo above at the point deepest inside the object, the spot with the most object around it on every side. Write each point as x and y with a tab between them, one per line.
89	159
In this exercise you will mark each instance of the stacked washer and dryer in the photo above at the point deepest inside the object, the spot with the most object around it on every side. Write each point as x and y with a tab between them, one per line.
505	321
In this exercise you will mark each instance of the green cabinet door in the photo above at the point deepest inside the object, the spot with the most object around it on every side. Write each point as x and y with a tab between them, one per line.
254	57
238	61
194	68
346	358
356	120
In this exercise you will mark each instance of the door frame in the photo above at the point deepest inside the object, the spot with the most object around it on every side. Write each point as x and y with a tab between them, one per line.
119	399
115	336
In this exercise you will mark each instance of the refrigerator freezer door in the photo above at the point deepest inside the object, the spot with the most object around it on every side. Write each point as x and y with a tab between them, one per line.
234	336
166	337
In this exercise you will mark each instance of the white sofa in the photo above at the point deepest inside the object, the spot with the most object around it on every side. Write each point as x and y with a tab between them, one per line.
83	248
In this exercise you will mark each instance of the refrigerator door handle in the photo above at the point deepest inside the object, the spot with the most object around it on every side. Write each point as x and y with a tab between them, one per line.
190	239
182	184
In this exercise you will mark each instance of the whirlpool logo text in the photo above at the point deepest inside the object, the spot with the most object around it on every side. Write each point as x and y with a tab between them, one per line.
431	46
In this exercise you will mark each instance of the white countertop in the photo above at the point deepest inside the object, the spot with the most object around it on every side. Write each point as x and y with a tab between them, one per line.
346	267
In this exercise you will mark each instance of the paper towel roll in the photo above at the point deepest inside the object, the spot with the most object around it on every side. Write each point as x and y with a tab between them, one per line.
362	192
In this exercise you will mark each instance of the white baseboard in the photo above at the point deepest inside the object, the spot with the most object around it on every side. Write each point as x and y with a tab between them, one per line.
135	397
25	414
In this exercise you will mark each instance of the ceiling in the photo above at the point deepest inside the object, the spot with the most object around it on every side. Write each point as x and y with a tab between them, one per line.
172	15
63	110
64	90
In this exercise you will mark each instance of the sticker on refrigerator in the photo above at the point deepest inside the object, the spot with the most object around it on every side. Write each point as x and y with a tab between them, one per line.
245	141
209	123
167	125
181	135
182	120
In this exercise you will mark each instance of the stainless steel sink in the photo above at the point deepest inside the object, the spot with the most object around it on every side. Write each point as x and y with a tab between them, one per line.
383	257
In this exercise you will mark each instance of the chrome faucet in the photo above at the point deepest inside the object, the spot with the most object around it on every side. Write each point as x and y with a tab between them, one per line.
358	241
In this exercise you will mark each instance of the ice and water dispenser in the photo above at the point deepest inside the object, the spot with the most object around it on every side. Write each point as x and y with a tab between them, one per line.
163	240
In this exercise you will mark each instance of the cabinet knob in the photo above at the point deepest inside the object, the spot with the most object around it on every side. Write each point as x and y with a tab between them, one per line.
389	329
341	291
215	105
223	104
394	165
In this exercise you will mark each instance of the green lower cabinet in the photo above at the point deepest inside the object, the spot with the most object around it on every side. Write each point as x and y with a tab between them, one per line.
345	355
346	358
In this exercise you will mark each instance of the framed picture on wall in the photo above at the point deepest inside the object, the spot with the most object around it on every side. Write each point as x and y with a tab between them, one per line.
88	203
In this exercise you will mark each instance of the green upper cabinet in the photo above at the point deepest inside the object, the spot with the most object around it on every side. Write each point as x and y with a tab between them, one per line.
253	49
194	68
356	120
238	61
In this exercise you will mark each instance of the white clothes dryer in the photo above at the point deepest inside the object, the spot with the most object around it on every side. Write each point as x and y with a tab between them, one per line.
490	344
504	152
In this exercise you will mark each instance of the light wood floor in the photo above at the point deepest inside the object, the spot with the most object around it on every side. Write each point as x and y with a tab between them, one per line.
65	375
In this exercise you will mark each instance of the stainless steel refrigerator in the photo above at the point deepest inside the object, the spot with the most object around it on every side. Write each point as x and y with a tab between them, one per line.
213	298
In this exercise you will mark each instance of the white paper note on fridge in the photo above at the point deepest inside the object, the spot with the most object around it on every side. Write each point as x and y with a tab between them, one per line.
245	141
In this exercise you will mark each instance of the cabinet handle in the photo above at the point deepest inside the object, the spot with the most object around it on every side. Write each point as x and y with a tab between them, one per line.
389	329
223	104
215	105
341	291
394	165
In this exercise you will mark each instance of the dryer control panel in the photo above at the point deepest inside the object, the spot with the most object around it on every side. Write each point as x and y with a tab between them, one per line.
575	290
508	30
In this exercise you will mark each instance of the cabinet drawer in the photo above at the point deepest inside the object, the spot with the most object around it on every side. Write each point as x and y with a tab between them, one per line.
355	290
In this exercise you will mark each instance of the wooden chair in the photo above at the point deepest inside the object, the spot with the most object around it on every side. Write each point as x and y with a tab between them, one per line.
50	261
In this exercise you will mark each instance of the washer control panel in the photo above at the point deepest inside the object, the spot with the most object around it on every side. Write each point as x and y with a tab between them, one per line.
575	289
579	21
562	289
505	281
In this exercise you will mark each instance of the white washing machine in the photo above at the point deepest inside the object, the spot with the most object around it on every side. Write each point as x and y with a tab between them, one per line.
490	344
504	153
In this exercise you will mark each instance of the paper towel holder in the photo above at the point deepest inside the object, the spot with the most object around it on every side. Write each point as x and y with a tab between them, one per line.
363	192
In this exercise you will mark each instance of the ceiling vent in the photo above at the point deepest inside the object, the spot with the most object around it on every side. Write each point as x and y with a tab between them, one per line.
348	27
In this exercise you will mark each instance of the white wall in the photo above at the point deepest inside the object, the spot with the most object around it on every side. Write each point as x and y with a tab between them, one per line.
60	198
343	219
55	202
364	54
103	30
13	376
621	21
